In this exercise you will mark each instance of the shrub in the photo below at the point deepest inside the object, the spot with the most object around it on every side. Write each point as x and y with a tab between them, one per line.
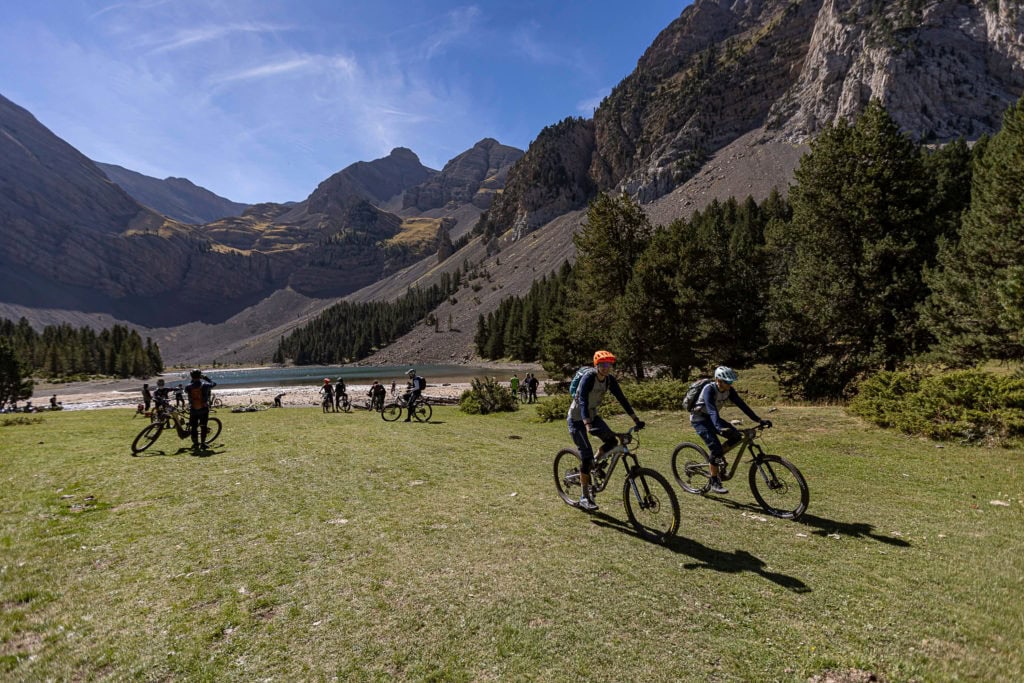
970	406
487	396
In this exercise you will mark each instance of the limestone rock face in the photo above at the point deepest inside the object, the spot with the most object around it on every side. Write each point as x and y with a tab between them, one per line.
474	176
945	70
725	68
551	179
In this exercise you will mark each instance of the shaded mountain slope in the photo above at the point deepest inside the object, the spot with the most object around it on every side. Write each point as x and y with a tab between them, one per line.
176	198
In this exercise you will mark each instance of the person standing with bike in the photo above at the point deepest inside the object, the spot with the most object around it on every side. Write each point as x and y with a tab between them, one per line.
416	386
583	419
199	396
706	420
328	393
340	394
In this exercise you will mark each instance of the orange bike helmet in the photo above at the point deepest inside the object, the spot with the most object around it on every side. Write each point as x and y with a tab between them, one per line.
326	381
603	357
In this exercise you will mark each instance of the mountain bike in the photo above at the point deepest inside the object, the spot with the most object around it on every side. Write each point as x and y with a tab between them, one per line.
164	419
345	404
776	483
421	410
650	503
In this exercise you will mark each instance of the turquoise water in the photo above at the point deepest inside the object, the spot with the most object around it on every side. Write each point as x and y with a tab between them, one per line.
315	374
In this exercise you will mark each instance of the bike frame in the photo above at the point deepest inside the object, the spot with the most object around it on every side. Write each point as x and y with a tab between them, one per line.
747	444
611	459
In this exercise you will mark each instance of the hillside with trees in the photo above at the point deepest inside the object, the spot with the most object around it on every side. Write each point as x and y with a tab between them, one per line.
886	252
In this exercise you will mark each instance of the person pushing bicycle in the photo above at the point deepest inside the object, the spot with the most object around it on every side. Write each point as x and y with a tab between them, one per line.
583	418
706	420
416	386
199	393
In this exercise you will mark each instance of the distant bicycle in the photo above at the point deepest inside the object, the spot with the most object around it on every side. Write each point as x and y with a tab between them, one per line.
776	483
650	503
164	418
421	410
345	403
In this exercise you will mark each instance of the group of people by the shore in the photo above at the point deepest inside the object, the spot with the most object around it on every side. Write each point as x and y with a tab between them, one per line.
525	390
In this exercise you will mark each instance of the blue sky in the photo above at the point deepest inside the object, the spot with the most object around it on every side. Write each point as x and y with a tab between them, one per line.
261	100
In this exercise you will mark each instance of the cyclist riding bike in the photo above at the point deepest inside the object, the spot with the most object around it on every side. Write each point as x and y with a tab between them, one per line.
416	386
583	419
706	420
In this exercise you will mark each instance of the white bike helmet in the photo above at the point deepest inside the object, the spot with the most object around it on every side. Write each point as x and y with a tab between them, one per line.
728	375
411	372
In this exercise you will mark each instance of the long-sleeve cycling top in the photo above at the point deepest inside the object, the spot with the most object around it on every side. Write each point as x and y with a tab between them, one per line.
591	392
711	402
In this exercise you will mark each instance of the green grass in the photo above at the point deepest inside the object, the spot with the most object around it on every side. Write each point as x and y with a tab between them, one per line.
313	547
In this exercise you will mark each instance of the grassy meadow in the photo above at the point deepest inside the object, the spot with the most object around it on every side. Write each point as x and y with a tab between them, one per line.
317	547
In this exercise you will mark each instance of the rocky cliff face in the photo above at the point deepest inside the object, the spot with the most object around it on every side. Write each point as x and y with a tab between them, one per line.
473	177
375	181
942	69
724	68
177	198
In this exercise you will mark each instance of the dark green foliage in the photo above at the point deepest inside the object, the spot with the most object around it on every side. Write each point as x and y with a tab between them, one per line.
347	332
706	285
969	406
976	309
62	351
861	232
15	384
487	396
515	329
608	246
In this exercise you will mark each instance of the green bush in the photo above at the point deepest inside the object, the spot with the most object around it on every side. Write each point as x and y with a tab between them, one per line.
487	396
970	406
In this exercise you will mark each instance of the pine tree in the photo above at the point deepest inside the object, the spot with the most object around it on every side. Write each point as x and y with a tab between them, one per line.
15	384
856	246
976	309
608	246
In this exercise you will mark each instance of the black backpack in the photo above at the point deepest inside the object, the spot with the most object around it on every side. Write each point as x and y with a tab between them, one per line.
693	393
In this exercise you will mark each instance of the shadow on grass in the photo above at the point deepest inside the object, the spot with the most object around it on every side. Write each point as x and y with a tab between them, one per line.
824	526
182	450
710	558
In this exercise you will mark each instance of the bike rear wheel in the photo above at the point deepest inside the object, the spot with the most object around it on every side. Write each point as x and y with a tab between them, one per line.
691	468
391	412
567	476
147	437
651	504
779	487
422	412
346	405
213	427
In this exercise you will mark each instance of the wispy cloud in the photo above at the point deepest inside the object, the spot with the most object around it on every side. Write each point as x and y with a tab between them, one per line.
460	22
190	37
269	69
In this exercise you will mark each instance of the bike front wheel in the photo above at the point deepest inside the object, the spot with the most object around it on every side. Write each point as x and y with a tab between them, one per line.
567	476
147	437
391	412
346	406
651	505
691	468
779	487
422	412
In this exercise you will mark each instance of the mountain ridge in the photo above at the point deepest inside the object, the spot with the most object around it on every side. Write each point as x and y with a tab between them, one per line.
177	198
